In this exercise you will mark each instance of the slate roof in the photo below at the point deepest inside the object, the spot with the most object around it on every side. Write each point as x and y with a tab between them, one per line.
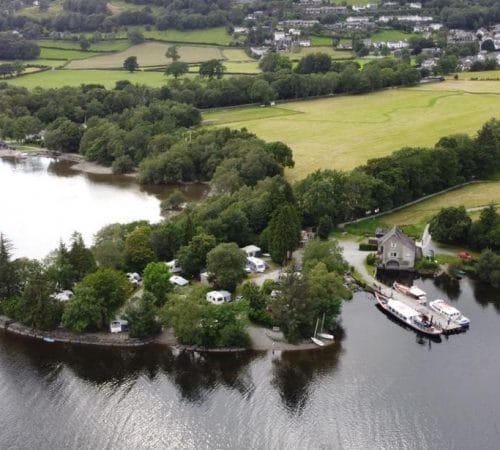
395	231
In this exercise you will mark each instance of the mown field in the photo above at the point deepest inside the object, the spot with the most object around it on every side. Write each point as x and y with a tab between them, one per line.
391	35
215	36
108	78
116	45
471	196
344	132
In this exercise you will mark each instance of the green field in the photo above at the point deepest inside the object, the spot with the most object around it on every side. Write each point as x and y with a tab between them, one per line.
215	36
116	45
55	53
472	196
391	35
488	75
108	78
321	41
346	131
148	54
335	54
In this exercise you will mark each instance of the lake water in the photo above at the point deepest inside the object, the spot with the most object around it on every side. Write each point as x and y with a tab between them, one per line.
379	387
43	201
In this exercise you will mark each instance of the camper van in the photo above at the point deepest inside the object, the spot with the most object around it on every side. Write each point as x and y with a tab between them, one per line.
256	264
173	266
218	297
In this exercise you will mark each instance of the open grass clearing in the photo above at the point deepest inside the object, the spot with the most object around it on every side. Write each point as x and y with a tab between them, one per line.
149	54
486	75
35	12
115	45
344	132
236	115
215	36
472	196
321	41
335	54
236	54
107	78
55	53
391	35
243	67
117	7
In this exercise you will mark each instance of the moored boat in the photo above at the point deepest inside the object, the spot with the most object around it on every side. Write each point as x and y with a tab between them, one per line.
411	291
328	336
49	339
416	320
449	312
317	341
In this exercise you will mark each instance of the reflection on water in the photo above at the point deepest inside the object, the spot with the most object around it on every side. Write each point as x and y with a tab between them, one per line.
43	201
378	386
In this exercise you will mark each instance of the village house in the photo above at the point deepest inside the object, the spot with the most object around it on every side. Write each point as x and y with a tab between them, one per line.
396	251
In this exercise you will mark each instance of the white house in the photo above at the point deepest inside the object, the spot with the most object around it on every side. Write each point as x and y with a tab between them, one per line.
218	297
252	250
178	280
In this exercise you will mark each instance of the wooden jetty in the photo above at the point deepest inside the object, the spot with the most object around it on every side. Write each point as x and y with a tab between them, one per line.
448	327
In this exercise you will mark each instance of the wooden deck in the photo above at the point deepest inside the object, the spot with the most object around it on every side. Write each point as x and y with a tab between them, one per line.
438	320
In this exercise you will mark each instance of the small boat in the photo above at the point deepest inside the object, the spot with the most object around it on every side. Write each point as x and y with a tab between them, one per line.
449	312
411	291
323	335
49	339
407	315
318	341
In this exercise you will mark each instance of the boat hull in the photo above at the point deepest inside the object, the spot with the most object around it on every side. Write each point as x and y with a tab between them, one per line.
318	342
431	331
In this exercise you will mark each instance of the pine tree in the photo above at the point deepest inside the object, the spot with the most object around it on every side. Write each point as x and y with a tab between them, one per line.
9	280
284	233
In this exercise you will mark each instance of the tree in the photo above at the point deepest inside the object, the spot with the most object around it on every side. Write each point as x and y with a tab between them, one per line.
212	68
139	249
109	247
294	310
451	225
84	44
174	201
193	257
9	279
326	252
325	226
177	69
488	268
172	53
273	62
84	312
38	309
111	290
226	263
131	64
157	281
63	135
166	239
60	269
135	37
142	317
262	92
284	233
80	257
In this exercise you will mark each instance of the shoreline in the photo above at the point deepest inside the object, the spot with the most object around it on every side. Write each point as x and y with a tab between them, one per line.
165	338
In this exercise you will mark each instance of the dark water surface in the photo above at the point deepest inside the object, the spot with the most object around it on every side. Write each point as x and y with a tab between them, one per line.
43	201
379	386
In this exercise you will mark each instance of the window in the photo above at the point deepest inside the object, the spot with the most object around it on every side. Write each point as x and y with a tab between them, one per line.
393	255
393	244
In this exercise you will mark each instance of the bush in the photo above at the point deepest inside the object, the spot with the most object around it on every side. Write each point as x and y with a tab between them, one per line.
261	317
371	259
122	164
364	247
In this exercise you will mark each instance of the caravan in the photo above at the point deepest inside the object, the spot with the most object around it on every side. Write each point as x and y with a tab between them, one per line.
256	264
218	297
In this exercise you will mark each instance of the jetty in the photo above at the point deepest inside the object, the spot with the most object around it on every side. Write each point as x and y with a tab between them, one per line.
448	327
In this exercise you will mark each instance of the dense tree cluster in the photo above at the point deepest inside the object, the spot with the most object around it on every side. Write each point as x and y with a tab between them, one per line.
13	46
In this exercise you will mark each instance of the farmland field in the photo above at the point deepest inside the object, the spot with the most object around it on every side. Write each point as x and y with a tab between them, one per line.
472	196
148	54
108	78
55	53
335	54
216	36
346	131
391	35
101	46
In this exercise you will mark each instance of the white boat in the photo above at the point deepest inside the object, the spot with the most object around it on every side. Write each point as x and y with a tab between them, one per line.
328	336
418	321
411	291
449	312
318	341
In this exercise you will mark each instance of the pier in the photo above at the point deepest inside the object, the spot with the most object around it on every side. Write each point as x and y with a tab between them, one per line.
448	327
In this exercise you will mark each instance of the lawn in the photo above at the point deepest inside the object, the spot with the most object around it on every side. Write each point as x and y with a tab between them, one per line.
335	54
215	36
391	35
101	46
55	53
487	75
243	67
108	78
345	131
321	41
475	195
148	54
232	115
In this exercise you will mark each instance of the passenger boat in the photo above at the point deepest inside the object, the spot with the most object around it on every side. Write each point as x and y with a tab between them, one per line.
418	321
449	312
412	291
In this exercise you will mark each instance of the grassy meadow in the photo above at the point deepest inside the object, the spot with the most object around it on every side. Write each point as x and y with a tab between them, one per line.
345	131
471	196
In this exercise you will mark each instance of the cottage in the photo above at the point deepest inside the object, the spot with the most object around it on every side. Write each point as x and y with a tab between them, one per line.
396	251
218	297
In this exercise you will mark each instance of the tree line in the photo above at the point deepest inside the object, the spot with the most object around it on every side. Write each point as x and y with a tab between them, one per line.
15	47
